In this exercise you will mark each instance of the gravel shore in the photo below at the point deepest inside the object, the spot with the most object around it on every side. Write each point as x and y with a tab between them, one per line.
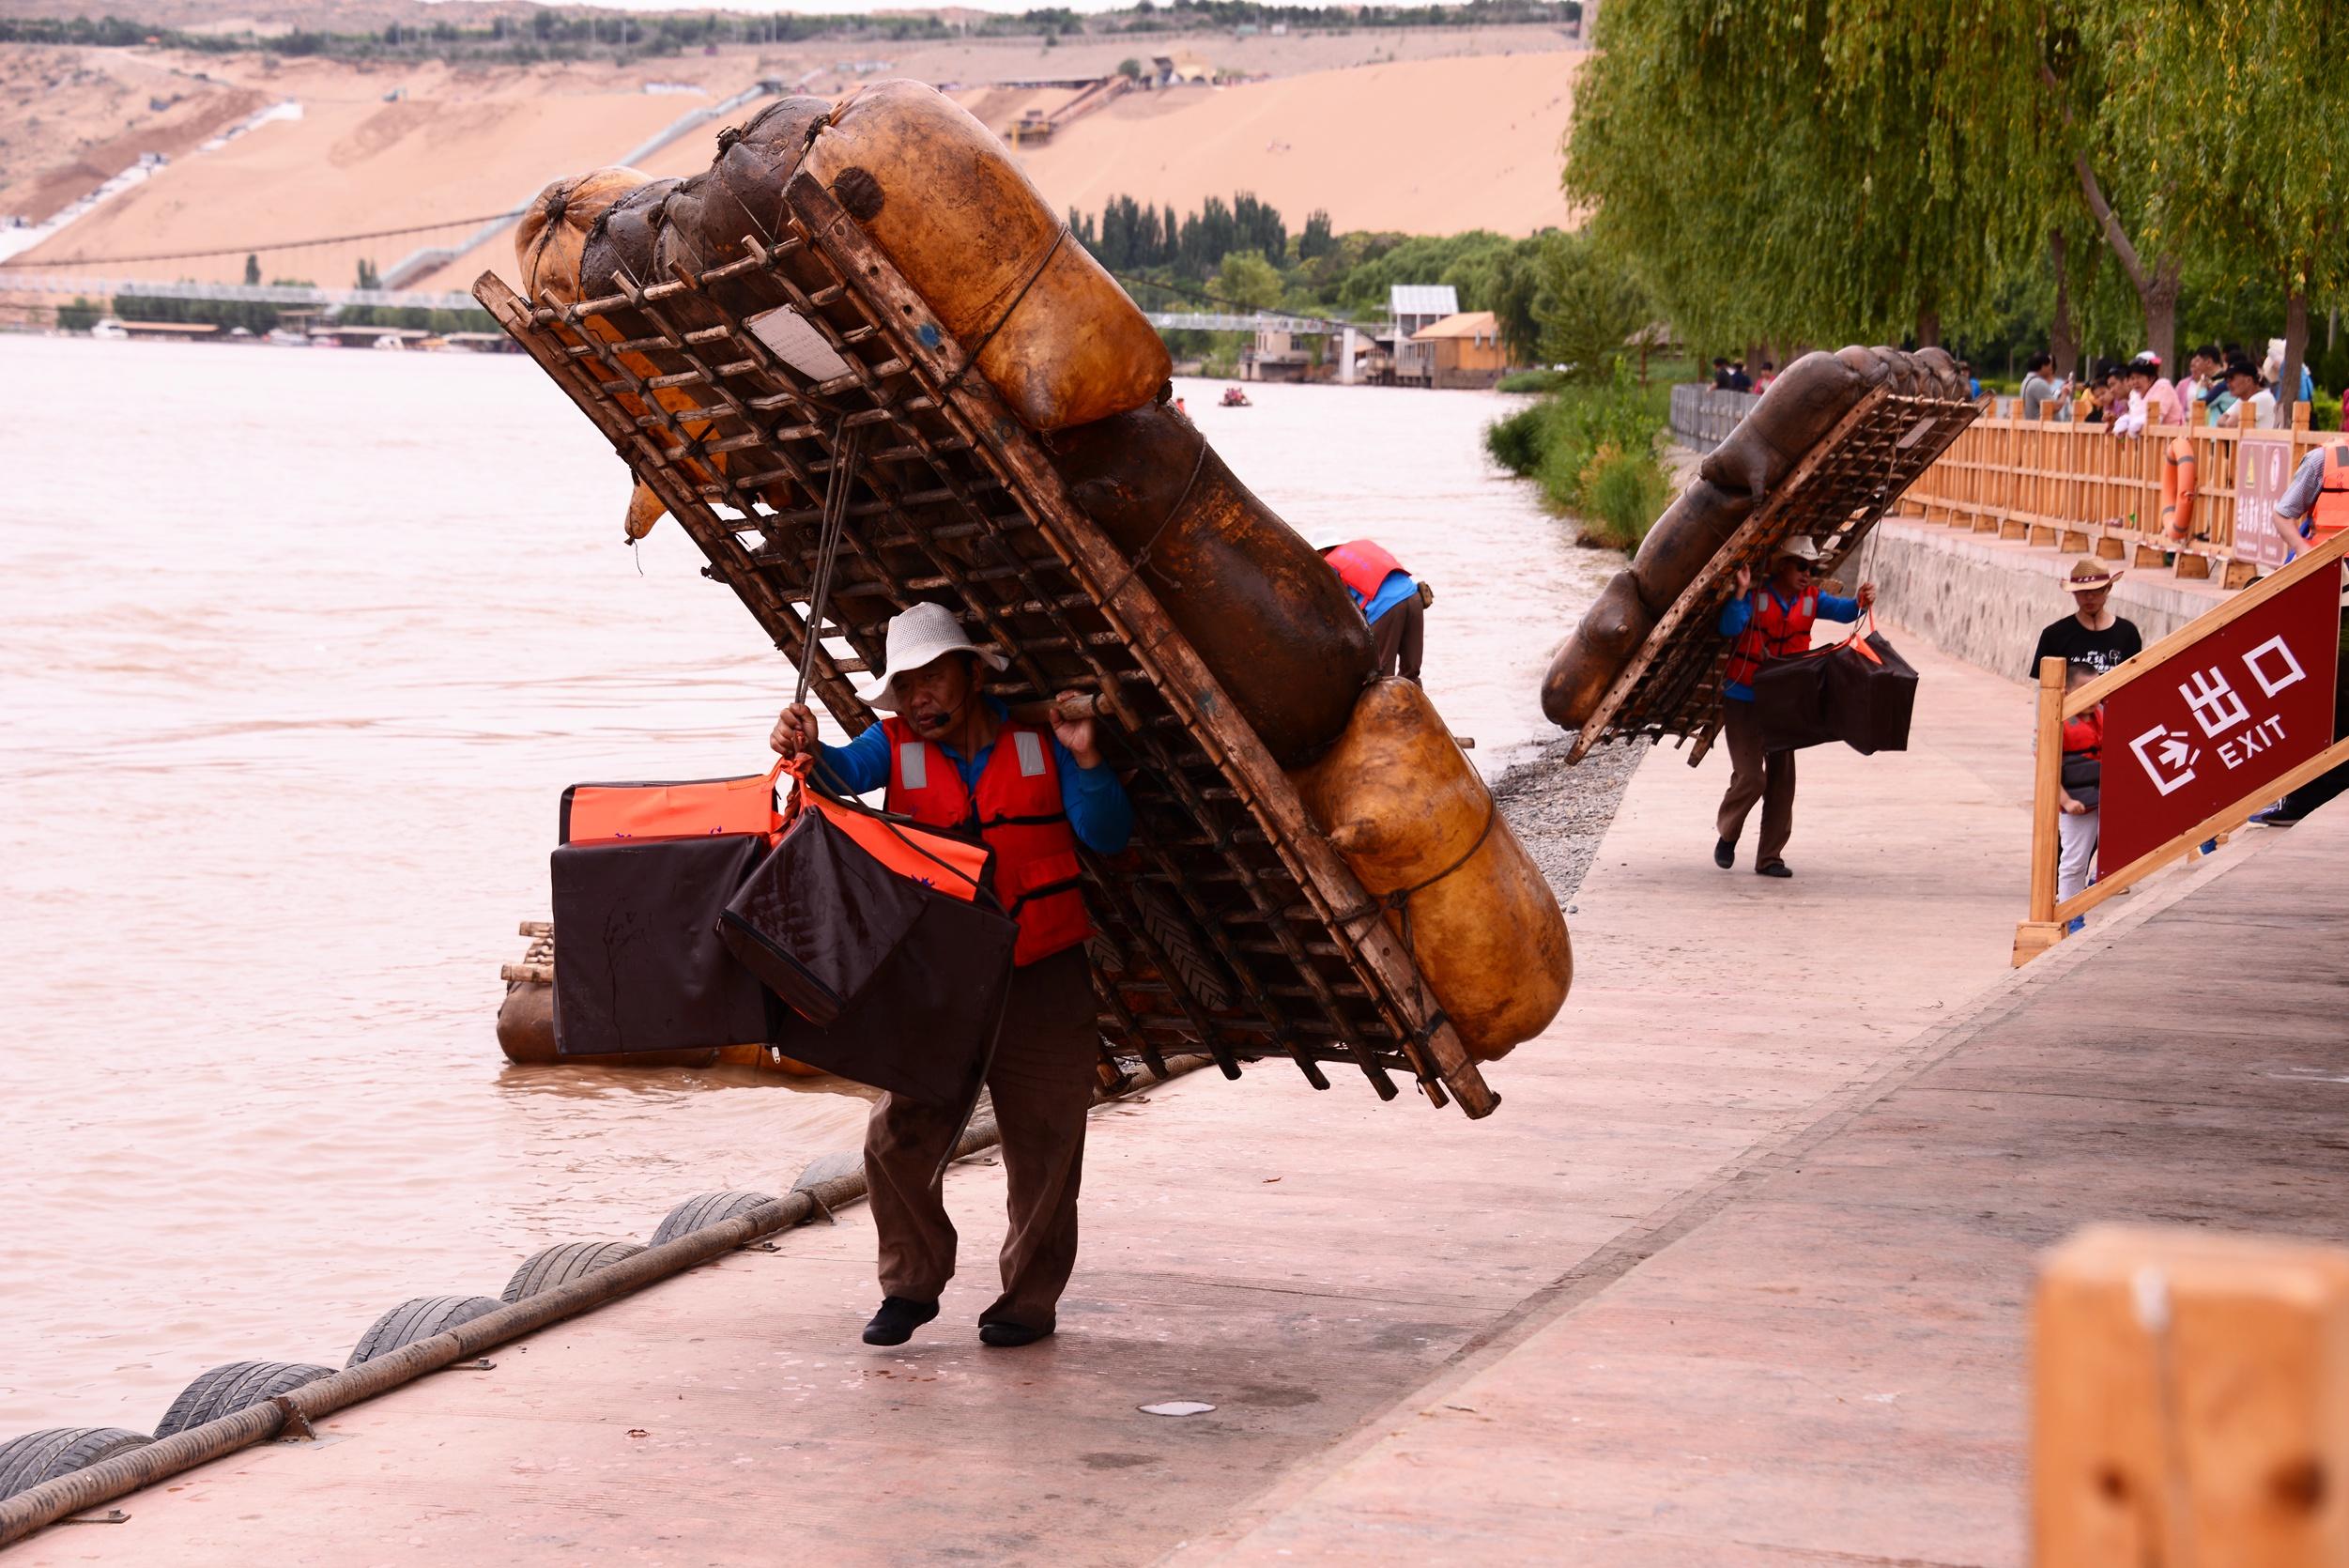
1559	813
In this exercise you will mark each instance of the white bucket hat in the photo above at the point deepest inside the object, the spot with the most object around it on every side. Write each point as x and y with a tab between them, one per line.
921	636
1328	538
1799	546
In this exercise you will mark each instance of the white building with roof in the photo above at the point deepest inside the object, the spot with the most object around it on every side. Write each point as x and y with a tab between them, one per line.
1412	308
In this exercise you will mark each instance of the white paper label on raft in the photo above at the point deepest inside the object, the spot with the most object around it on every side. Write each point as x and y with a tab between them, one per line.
800	346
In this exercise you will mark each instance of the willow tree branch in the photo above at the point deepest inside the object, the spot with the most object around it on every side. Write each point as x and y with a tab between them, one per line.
2092	191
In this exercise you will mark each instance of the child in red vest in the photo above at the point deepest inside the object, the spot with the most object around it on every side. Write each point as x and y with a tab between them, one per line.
2081	779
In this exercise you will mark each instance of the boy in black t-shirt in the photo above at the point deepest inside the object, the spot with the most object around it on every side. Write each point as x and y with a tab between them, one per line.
2093	634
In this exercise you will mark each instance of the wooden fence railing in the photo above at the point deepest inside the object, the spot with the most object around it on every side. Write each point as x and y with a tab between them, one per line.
2081	487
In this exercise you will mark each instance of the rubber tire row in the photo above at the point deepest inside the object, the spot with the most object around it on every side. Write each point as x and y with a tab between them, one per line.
29	1460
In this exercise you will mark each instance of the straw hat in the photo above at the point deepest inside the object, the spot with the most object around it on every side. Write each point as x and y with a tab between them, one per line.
2088	575
921	636
1800	546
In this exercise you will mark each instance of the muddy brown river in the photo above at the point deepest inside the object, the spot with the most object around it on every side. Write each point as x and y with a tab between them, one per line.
300	649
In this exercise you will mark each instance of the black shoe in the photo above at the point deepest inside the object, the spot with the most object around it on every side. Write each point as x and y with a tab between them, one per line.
1009	1336
895	1323
1724	854
2274	816
1774	869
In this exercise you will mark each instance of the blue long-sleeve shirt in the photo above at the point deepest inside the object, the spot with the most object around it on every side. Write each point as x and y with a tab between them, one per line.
1095	802
1738	614
1398	587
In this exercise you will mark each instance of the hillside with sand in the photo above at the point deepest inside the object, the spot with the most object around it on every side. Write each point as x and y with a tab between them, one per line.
1431	140
1423	146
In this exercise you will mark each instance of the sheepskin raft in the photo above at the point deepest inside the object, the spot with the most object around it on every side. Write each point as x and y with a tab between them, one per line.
1233	924
1826	452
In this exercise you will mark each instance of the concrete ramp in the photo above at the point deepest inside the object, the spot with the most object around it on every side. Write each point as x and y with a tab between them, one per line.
1826	1362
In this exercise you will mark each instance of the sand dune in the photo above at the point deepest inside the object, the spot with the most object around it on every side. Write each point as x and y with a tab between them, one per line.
351	167
1362	144
1421	145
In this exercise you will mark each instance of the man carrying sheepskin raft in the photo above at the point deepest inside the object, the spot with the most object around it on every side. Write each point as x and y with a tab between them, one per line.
1773	622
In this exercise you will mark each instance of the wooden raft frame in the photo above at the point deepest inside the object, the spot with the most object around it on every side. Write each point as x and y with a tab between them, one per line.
1837	494
1230	925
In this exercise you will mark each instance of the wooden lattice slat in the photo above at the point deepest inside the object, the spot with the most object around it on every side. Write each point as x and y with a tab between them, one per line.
1836	495
1229	925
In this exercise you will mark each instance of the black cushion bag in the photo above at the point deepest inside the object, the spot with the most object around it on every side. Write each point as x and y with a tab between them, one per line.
925	1027
1791	701
818	917
1871	694
640	965
876	974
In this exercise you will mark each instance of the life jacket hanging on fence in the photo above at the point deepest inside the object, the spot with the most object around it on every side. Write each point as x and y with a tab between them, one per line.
1362	566
1776	632
2180	470
1019	815
2330	515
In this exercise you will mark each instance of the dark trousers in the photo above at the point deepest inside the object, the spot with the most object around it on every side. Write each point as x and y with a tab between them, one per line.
1756	774
1042	1083
1397	637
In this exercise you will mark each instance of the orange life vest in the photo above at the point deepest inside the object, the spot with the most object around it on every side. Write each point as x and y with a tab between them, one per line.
1776	632
1017	812
2330	515
1363	567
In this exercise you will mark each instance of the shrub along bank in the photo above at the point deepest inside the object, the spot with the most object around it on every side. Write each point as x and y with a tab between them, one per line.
1592	448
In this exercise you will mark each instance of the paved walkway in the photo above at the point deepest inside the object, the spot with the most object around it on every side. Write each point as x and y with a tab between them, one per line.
1655	1305
1827	1362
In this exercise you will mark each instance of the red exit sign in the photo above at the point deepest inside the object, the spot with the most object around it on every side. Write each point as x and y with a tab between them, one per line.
2219	722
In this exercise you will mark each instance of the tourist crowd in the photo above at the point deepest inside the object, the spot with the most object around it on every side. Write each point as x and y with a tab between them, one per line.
2221	386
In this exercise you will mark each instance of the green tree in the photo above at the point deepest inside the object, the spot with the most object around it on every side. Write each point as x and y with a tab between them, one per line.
1587	305
1797	169
1246	281
1470	262
1131	68
1317	241
2238	113
252	270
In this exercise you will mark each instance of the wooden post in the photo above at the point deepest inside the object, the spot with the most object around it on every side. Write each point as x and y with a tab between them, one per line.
2040	932
2189	1401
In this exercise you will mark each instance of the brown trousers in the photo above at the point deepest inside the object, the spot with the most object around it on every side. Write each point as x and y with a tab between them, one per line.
1042	1083
1755	776
1398	637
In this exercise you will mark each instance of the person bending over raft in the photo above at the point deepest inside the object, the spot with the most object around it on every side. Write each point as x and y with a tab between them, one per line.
1394	603
1773	623
952	758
